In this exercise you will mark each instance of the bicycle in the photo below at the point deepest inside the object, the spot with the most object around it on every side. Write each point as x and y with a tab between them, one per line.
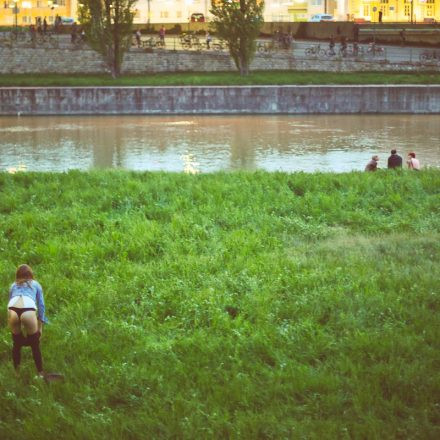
429	55
373	50
356	51
190	41
47	39
151	43
219	45
265	47
315	50
79	43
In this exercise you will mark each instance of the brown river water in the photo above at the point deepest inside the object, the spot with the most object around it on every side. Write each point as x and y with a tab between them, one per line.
308	143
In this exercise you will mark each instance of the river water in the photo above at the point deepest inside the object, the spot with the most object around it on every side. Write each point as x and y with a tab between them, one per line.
209	143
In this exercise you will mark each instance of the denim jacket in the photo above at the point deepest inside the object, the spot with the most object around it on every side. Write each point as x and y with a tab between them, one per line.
33	290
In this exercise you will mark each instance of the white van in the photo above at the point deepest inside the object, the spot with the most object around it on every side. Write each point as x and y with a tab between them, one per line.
321	17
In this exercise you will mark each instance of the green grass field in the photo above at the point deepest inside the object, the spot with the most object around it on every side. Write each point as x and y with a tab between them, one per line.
220	78
228	305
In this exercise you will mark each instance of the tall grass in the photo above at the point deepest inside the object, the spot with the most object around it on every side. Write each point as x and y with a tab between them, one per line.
221	78
242	305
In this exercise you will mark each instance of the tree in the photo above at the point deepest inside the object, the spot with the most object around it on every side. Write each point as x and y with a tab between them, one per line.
108	28
238	22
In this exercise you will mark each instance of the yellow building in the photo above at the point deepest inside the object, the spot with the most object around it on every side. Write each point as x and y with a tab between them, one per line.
25	12
416	11
179	11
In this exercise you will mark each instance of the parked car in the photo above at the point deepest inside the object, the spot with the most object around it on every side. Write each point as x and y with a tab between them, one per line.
321	17
197	17
67	20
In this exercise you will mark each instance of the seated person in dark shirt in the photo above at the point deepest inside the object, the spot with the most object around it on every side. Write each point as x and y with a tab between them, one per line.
394	161
372	165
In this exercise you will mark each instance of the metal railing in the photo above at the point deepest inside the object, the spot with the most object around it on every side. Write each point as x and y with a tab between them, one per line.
301	50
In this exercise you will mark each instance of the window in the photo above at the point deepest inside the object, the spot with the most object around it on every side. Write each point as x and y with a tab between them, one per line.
430	1
24	19
179	14
407	10
163	14
384	10
316	2
384	1
26	5
6	4
366	10
429	11
61	3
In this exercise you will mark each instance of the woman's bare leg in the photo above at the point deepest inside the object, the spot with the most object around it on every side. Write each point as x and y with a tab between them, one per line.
14	322
17	338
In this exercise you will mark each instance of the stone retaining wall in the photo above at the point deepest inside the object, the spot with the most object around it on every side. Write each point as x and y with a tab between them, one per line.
67	61
215	100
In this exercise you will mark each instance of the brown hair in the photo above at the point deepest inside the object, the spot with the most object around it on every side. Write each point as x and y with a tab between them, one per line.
413	155
24	273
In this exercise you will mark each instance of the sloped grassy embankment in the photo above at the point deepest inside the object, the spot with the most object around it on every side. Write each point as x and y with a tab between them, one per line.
243	305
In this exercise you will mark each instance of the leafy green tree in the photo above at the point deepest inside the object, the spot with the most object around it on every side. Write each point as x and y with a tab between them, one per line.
238	22
108	28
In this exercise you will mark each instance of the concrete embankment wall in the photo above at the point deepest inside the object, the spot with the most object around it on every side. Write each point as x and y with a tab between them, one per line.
67	61
216	100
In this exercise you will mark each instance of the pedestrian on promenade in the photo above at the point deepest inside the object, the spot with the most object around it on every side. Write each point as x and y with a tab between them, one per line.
57	24
372	164
343	46
73	33
331	45
413	163
356	33
402	37
82	36
162	35
26	310
208	40
394	161
44	26
39	26
33	33
138	38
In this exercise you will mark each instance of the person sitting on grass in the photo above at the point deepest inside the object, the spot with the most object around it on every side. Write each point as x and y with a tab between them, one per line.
372	164
394	161
413	163
25	299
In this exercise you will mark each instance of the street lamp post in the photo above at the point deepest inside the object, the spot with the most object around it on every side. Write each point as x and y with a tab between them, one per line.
16	10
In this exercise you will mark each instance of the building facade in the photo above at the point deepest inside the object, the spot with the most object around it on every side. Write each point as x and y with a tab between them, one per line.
396	10
25	12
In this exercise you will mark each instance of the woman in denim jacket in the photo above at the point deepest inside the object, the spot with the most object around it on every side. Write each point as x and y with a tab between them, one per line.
26	309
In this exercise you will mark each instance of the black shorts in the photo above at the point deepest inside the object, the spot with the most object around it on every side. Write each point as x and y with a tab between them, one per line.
19	311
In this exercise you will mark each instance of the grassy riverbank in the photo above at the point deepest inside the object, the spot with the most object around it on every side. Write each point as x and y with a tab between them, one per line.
220	78
243	305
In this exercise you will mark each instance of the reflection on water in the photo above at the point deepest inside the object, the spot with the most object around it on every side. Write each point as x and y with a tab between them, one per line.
208	143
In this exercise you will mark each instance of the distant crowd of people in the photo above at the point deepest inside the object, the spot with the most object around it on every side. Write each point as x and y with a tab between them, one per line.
394	161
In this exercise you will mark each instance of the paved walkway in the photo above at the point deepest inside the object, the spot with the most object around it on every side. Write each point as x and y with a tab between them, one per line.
390	53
